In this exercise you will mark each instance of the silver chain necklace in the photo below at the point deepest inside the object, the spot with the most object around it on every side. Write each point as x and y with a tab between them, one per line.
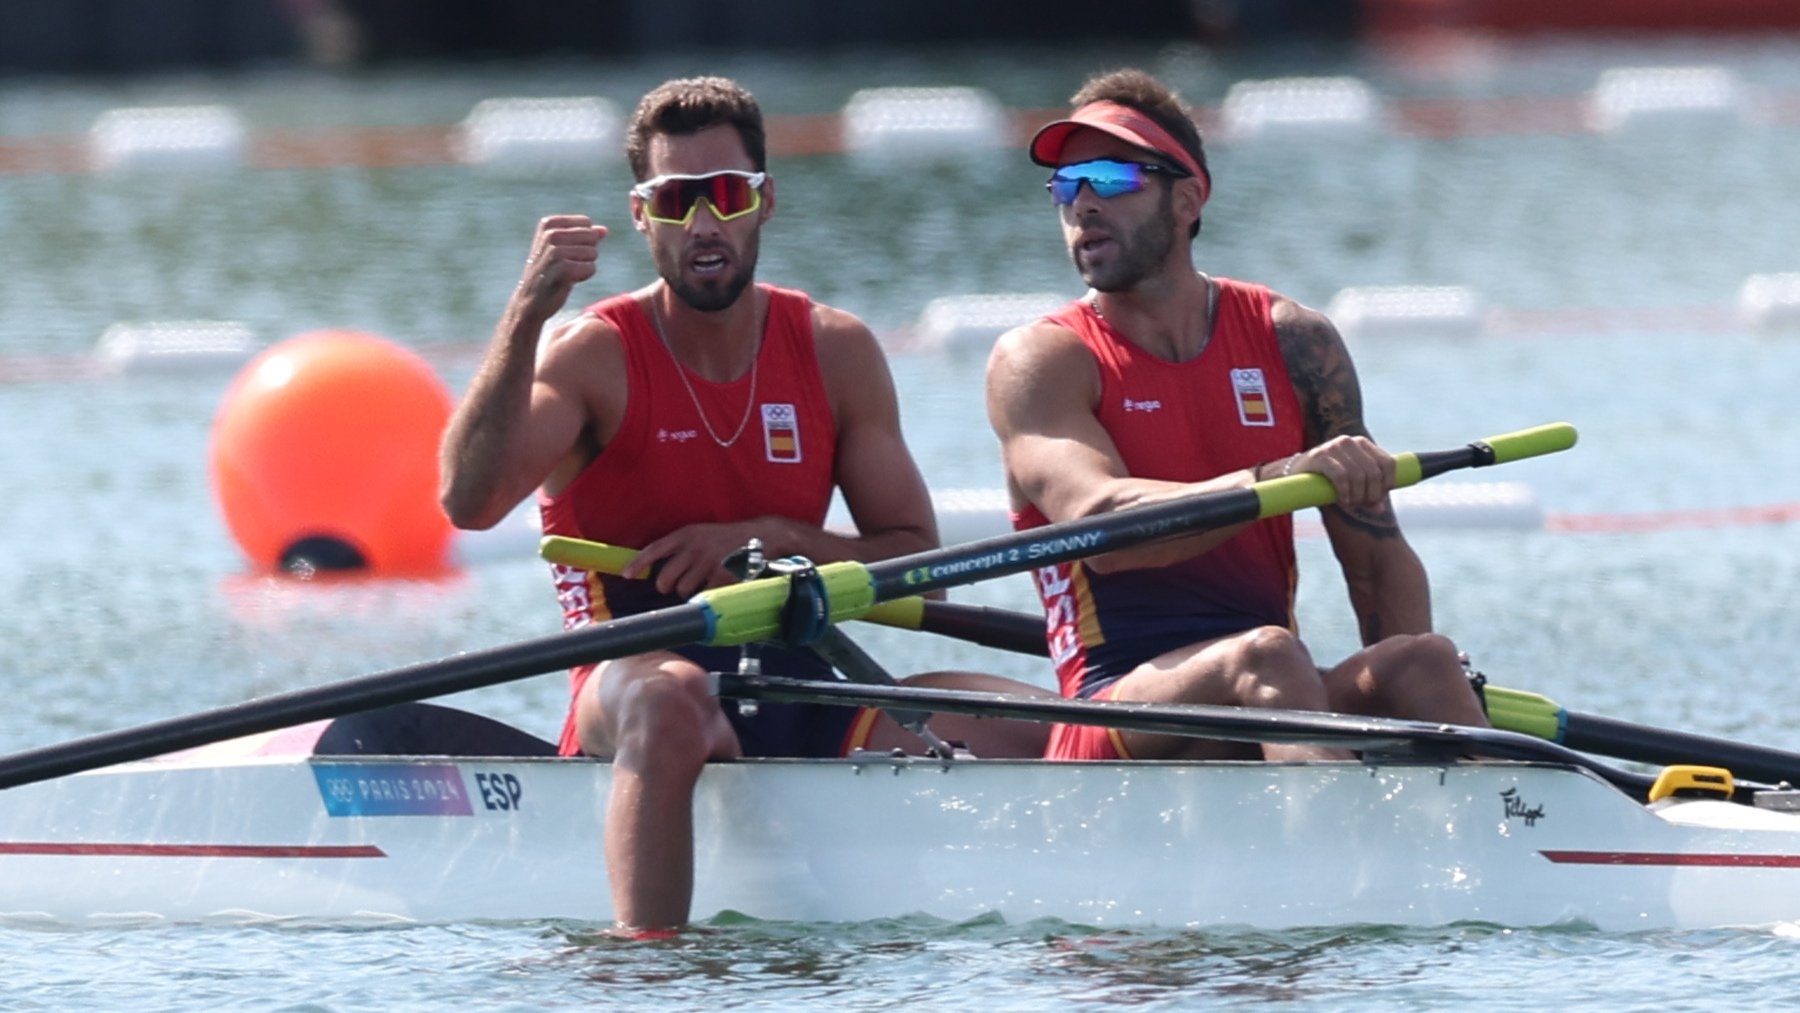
681	371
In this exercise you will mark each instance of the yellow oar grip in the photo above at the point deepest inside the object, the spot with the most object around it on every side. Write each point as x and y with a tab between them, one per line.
905	613
596	556
1528	713
745	612
1297	492
1537	441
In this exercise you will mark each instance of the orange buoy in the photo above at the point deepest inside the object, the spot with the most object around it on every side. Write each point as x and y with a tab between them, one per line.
324	456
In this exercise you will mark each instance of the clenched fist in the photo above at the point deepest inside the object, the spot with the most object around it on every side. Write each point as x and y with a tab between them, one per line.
564	253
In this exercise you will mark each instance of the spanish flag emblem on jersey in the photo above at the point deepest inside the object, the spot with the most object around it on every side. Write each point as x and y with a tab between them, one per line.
781	433
1252	392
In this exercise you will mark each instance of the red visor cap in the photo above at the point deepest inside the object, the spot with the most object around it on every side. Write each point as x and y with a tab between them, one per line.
1123	122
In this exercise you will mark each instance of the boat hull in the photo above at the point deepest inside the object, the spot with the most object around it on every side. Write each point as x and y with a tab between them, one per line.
1173	844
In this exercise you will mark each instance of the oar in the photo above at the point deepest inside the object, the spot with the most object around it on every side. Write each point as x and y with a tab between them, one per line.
978	624
854	588
1373	736
1123	529
1532	714
1509	709
754	610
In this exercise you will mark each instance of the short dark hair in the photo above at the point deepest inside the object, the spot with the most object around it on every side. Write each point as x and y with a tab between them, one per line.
689	105
1134	88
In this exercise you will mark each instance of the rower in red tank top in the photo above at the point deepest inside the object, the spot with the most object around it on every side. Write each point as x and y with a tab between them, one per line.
762	445
683	420
1231	408
1165	383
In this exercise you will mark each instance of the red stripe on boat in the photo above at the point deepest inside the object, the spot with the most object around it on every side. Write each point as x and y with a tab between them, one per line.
1671	858
195	850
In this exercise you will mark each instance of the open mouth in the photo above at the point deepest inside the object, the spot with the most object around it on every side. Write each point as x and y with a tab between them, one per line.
1090	245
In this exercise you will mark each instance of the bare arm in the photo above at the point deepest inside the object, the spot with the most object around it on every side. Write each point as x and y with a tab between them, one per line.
874	470
1388	587
1042	387
519	419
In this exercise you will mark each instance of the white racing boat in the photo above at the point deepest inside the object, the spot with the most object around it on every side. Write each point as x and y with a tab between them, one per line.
274	826
352	801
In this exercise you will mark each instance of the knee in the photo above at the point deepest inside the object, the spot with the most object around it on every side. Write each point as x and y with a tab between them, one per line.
1420	654
1276	670
660	716
1273	650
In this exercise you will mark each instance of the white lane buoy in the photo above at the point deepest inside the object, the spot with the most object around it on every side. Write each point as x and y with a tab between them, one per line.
528	135
1300	105
168	138
924	122
1509	506
175	346
1771	302
964	515
1406	311
1630	97
970	323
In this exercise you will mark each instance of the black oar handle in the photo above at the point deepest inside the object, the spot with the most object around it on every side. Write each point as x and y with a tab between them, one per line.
988	626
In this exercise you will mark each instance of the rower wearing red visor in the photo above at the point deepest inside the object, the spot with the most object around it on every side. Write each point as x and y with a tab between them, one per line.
1163	381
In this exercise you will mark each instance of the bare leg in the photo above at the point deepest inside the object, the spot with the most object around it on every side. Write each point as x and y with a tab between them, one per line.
654	716
1419	677
990	738
1264	667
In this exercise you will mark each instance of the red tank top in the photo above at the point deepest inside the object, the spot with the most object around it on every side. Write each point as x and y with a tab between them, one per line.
1230	407
663	470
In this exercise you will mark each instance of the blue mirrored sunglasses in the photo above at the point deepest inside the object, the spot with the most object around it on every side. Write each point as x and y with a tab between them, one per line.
1105	176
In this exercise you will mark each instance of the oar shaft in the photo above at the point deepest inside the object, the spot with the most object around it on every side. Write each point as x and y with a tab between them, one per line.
619	638
1061	543
1123	529
1592	733
1535	714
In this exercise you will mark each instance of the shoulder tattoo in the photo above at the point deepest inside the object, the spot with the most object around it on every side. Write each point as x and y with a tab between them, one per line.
1324	378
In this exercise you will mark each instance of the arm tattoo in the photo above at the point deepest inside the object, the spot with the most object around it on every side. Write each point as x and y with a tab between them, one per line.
1324	378
1376	522
1330	397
